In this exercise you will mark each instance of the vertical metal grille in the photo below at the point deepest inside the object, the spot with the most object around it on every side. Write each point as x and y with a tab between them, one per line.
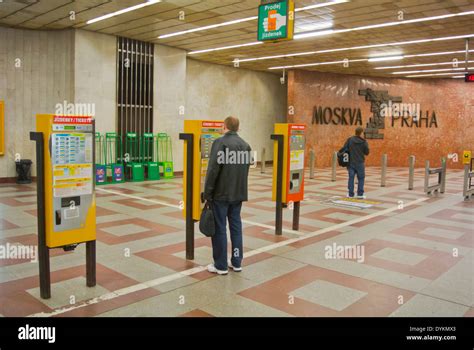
134	86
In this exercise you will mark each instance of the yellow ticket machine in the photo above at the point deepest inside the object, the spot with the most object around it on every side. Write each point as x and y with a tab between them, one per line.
288	170
66	197
198	137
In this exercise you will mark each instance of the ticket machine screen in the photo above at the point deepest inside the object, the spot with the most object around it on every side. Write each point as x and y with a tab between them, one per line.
297	145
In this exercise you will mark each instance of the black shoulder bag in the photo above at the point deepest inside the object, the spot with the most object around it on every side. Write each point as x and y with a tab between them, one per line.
207	226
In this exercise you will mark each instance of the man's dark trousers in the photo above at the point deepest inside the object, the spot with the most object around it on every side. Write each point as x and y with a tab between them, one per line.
359	170
224	210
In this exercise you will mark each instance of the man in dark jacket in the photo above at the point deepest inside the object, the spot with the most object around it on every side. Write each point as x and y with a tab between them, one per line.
226	188
358	148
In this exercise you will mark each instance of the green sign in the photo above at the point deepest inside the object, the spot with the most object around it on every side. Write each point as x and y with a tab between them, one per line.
276	21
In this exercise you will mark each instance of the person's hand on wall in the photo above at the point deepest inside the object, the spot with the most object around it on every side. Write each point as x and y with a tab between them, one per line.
276	18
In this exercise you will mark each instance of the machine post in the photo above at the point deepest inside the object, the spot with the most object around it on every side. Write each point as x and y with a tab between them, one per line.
279	184
296	216
189	139
43	250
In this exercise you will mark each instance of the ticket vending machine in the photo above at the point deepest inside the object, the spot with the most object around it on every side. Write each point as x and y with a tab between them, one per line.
288	169
198	137
205	132
66	197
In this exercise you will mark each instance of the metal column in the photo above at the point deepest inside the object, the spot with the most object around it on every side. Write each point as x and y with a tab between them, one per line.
411	172
384	170
296	216
334	164
189	140
279	184
311	164
43	250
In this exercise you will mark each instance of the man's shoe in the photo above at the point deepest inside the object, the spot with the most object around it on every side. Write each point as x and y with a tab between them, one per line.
362	197
236	269
211	268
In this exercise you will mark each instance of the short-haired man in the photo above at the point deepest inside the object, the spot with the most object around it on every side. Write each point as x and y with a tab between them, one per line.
226	188
358	148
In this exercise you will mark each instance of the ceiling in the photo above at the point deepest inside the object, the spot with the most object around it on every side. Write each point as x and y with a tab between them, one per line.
162	18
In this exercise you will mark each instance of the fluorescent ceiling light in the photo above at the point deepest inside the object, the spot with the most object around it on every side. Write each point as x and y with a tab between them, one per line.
311	27
337	31
431	70
318	64
225	47
400	43
429	75
458	76
366	59
164	36
246	19
437	53
310	7
386	58
314	34
424	65
387	24
125	10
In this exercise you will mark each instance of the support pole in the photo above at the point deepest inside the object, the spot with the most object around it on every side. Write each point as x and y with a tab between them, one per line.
43	250
465	187
311	164
262	161
411	172
91	263
91	245
334	164
427	175
296	216
442	175
384	170
189	141
279	184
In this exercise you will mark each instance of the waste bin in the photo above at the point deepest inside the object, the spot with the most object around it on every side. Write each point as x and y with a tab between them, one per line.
23	171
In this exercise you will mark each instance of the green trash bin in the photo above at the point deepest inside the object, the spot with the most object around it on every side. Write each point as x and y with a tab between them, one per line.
149	153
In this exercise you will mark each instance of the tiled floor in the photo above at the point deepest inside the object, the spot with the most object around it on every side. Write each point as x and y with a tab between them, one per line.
408	255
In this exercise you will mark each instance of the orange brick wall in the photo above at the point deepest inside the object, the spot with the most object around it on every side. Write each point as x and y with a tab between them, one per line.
451	99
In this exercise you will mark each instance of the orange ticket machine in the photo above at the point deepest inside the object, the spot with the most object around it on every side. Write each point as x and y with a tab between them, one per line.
198	137
66	190
288	170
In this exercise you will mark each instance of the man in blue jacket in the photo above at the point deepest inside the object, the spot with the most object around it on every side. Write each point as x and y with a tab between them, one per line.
226	187
358	148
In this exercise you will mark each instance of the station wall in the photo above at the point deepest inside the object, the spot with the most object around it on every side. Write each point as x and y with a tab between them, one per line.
333	98
36	73
191	89
76	66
